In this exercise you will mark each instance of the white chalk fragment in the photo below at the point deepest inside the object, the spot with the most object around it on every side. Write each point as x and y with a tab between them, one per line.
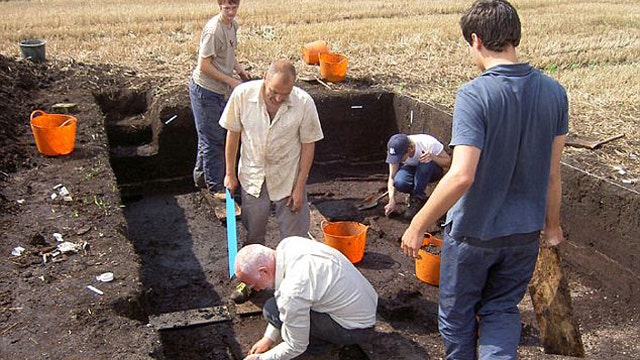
356	107
58	237
620	169
629	181
105	277
66	247
95	290
20	201
17	251
171	119
63	191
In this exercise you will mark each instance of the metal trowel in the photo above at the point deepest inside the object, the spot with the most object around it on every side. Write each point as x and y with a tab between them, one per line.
370	201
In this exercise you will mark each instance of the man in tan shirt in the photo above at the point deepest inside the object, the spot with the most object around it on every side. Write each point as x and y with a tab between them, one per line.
278	126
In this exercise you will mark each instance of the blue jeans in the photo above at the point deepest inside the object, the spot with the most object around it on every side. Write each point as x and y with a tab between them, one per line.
324	332
207	107
414	179
481	284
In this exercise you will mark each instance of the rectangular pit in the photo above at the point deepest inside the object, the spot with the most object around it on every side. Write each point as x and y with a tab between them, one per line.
164	212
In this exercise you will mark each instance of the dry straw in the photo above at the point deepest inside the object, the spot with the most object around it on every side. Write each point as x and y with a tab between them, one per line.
412	47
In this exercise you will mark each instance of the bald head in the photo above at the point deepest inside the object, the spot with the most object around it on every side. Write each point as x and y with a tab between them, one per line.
253	263
278	84
284	68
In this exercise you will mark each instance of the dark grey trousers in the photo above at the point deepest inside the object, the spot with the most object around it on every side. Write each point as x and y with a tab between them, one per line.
256	211
325	333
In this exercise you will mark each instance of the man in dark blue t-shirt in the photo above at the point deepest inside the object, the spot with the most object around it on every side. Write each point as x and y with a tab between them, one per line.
502	190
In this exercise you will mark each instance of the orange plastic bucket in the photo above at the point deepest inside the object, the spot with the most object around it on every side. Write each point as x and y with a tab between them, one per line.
312	50
55	134
349	237
333	67
427	263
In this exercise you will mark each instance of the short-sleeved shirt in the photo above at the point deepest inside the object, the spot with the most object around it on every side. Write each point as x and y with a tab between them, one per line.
512	113
218	42
424	144
313	276
270	149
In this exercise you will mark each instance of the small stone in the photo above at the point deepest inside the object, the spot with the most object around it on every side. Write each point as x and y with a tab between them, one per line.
65	108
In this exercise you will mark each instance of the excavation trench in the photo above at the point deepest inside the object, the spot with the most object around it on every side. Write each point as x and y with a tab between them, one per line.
182	245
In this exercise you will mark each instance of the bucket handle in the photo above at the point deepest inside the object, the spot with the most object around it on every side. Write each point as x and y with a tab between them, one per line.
66	122
38	112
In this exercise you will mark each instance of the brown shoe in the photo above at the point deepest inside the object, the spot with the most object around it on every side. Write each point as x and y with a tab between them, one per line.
220	195
214	197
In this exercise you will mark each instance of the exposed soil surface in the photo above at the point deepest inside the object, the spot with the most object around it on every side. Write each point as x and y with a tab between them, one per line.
167	250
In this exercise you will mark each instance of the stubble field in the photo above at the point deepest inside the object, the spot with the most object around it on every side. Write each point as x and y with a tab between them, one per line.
410	47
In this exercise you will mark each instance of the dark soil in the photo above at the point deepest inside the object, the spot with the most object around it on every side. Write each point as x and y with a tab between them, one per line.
432	249
167	250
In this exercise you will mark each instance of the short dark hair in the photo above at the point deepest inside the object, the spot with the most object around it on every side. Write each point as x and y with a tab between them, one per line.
232	2
495	22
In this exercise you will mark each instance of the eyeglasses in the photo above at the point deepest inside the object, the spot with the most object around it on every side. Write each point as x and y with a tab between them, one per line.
229	8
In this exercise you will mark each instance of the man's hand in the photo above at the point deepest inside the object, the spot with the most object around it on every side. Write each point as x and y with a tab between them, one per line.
234	82
426	157
411	242
231	183
295	200
260	347
390	207
551	236
244	75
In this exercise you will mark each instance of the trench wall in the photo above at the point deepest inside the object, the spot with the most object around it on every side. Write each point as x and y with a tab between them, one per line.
602	228
599	218
356	126
600	221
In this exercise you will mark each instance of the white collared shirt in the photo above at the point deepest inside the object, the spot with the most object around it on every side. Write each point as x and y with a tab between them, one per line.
313	276
270	148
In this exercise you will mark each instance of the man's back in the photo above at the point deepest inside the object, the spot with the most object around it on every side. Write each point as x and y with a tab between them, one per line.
313	272
512	113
